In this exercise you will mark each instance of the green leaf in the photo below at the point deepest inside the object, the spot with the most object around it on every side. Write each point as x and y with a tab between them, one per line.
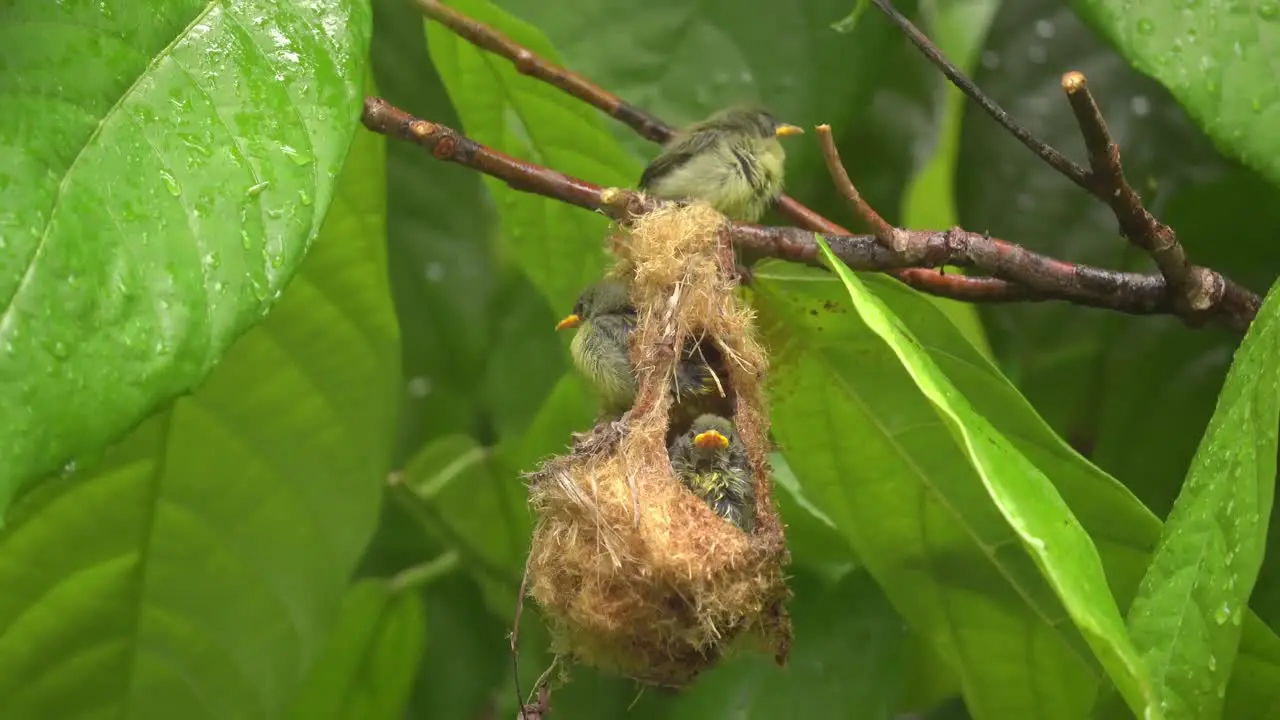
440	231
1026	499
366	671
560	247
874	456
1218	60
849	657
198	566
165	169
1187	617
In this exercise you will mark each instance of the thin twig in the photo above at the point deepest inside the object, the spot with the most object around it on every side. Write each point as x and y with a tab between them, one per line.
1034	277
888	235
1200	288
1057	160
515	640
958	287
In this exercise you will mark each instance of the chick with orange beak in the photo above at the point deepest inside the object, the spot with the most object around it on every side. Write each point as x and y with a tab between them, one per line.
604	318
711	461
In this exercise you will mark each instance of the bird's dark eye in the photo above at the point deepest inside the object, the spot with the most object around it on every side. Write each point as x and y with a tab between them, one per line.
578	309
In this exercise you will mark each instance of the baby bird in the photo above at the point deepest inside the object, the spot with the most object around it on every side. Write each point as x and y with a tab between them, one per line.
712	462
605	318
732	160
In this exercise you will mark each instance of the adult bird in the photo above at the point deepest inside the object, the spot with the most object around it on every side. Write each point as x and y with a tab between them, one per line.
732	160
605	319
711	461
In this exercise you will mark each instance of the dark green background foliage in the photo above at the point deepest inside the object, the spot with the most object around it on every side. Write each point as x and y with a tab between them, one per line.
269	381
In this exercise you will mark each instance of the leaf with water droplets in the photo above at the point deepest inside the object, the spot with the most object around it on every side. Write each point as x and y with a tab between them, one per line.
1218	60
195	570
136	140
1194	595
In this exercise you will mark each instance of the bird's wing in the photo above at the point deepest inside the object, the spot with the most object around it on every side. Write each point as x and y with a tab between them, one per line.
674	156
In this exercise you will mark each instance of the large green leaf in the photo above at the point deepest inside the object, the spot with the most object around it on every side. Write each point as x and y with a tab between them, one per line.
560	248
440	227
1133	393
196	569
1188	614
366	671
165	167
875	458
1217	57
1026	499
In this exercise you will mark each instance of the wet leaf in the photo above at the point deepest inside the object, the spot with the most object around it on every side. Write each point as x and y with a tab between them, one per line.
196	144
1217	58
1188	614
199	565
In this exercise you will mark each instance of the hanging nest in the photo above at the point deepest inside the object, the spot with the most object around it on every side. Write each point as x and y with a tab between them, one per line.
634	574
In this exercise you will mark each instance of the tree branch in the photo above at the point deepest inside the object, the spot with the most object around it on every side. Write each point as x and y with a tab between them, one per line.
958	287
1198	287
1036	276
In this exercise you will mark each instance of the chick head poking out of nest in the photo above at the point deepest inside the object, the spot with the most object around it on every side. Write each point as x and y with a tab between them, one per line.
635	574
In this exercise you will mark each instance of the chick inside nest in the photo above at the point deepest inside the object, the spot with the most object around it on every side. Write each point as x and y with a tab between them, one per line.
634	574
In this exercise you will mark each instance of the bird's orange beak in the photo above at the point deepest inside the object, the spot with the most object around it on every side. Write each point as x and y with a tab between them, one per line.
711	440
785	130
571	321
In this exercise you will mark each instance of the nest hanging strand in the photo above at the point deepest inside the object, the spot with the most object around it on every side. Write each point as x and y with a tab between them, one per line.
660	596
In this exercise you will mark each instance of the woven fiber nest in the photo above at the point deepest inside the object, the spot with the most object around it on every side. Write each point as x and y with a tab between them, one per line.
634	574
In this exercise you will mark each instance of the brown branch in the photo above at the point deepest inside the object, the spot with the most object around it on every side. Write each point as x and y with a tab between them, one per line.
1034	277
958	287
1199	287
888	235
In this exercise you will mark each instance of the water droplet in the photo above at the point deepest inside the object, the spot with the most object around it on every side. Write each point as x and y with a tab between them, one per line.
1211	85
1146	27
1213	663
60	350
1269	10
1140	105
220	287
1222	614
1222	691
1256	104
1044	28
304	198
245	241
435	272
420	386
277	260
297	157
256	190
170	183
194	143
70	468
1237	619
212	261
